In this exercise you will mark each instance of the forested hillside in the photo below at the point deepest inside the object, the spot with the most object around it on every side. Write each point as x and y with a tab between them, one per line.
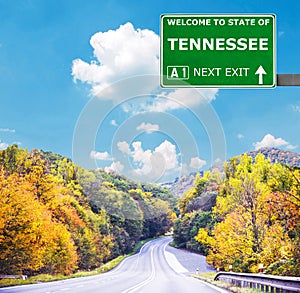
56	217
182	184
245	216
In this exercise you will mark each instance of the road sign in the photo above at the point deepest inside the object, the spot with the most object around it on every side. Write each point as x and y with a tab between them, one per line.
199	50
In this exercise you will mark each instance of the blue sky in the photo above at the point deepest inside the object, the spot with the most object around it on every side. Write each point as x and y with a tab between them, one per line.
63	93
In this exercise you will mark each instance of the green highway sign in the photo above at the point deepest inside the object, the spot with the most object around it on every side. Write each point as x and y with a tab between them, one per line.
200	50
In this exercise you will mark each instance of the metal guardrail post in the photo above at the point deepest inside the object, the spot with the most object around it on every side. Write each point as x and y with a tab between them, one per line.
262	282
23	277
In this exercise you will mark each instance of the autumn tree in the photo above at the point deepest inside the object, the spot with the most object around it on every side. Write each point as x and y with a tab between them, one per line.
28	234
255	212
56	217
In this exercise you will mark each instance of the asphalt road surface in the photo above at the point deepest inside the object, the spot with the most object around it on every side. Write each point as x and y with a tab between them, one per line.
155	269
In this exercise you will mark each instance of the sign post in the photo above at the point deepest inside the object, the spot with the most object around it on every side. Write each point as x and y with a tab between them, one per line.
199	50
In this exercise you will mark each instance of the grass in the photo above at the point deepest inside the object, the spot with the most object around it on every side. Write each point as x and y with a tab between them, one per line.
49	278
13	282
209	278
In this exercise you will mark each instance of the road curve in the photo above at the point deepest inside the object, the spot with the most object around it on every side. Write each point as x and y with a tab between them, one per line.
154	269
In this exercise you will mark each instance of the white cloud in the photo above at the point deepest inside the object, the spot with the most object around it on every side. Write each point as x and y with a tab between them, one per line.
187	96
168	151
113	123
180	98
127	52
197	163
154	164
240	136
123	146
141	158
270	141
168	100
3	145
7	130
148	127
163	159
119	53
291	147
115	167
149	164
104	156
218	163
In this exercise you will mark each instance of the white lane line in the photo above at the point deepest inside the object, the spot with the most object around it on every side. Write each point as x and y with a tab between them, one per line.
132	256
140	253
173	262
145	282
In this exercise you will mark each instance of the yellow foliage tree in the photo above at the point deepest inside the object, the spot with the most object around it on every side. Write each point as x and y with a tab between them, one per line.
28	233
258	218
22	223
277	249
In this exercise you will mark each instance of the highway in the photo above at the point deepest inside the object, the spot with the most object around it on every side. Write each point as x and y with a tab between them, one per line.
154	269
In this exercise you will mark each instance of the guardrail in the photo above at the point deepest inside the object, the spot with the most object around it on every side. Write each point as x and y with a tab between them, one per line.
23	277
265	283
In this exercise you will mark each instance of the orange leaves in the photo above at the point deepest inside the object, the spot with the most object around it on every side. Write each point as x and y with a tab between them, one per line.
20	214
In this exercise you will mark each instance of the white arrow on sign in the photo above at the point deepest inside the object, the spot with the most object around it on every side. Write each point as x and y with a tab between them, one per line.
260	71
